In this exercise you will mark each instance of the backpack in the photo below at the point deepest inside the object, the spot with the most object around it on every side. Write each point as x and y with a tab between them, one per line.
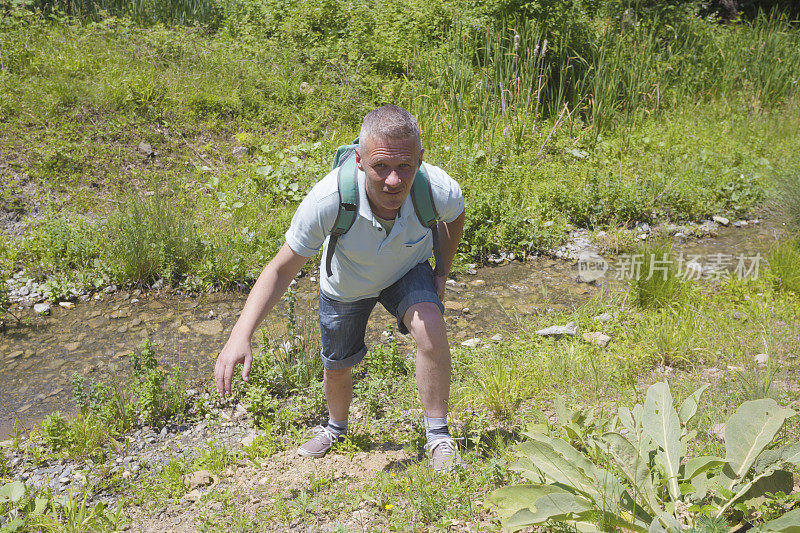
421	197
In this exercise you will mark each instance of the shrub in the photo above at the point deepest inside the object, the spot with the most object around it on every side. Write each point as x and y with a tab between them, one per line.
661	489
157	394
151	238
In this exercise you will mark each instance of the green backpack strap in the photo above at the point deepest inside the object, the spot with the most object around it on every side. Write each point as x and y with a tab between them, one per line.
348	200
422	198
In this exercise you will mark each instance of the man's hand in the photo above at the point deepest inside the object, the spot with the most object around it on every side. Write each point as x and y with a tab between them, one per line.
236	351
441	283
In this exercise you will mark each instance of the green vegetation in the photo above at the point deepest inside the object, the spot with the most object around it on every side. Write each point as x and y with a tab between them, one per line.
662	488
585	113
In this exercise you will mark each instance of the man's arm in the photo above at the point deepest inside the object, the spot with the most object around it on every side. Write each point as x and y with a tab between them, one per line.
449	237
267	291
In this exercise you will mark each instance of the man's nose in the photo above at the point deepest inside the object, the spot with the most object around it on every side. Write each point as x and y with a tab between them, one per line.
393	179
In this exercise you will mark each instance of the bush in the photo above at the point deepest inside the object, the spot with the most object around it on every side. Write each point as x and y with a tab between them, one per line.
157	395
150	239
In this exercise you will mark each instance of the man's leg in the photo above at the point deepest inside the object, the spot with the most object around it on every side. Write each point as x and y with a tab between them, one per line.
338	392
342	327
426	325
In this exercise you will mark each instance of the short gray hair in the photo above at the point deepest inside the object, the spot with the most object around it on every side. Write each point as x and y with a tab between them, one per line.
389	122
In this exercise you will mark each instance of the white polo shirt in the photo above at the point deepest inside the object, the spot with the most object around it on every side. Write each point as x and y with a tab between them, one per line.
366	260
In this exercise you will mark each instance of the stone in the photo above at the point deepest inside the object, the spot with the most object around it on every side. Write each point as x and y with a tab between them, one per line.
121	313
72	346
720	220
145	149
596	337
477	283
732	368
570	329
192	496
591	267
240	152
711	373
16	354
453	305
209	327
24	291
761	359
248	440
471	343
718	430
184	329
67	305
497	337
604	317
41	309
200	478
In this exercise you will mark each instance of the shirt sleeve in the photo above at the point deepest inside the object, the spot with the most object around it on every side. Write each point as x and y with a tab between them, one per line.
312	222
447	195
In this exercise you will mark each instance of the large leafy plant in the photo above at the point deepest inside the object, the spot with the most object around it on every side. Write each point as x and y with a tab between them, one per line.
650	485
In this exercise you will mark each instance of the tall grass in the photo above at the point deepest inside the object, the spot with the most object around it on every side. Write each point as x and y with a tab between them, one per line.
655	281
144	11
784	263
496	86
151	238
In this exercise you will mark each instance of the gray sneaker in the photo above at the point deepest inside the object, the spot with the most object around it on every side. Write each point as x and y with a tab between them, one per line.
320	444
443	454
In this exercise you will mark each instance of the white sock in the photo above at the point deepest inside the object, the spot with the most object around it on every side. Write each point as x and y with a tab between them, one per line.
435	428
339	427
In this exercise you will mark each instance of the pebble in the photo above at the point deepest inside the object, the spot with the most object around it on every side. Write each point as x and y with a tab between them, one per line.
42	308
596	337
761	359
718	430
67	305
471	343
720	220
570	329
604	317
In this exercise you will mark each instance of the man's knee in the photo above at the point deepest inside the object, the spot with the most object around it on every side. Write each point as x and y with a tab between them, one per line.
425	322
337	374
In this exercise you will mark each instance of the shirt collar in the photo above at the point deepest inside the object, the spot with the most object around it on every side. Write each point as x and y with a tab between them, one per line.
363	203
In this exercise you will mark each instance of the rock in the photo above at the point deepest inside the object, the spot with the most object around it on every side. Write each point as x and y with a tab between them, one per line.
711	373
184	329
570	329
643	227
497	337
718	430
240	152
158	285
200	478
596	337
471	343
591	267
24	291
192	496
145	149
42	309
605	317
72	346
209	327
453	305
121	313
732	368
306	89
761	359
720	220
67	305
477	283
248	440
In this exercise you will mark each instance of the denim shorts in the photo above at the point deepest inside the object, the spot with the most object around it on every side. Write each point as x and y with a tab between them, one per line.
343	324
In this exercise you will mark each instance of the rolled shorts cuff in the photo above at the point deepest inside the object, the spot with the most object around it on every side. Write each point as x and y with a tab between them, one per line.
341	364
412	298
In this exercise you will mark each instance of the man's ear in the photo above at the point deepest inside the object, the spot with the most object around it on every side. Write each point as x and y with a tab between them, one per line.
359	163
421	151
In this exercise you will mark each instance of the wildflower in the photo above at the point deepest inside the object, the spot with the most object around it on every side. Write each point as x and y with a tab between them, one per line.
389	506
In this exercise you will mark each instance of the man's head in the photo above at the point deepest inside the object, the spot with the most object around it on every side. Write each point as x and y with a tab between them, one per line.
389	153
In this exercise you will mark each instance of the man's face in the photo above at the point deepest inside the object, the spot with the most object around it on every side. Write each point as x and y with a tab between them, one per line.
390	166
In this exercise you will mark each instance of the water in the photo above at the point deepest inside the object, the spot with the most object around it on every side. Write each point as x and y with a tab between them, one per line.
95	339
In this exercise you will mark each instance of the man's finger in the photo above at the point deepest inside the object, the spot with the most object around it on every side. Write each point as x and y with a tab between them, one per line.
248	361
228	378
219	376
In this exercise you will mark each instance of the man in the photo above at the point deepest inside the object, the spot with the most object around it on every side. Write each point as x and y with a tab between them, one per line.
382	258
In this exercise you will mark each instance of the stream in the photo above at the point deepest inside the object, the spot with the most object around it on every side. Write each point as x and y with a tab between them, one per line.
41	354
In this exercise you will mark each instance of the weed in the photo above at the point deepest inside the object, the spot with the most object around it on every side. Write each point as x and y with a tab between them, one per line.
655	281
158	396
784	264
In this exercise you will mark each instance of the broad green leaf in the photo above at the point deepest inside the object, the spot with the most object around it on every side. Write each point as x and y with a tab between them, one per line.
603	482
698	465
788	523
751	428
777	481
689	406
520	519
13	491
611	521
776	457
556	468
559	506
635	467
626	419
40	505
513	498
661	423
563	413
664	523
